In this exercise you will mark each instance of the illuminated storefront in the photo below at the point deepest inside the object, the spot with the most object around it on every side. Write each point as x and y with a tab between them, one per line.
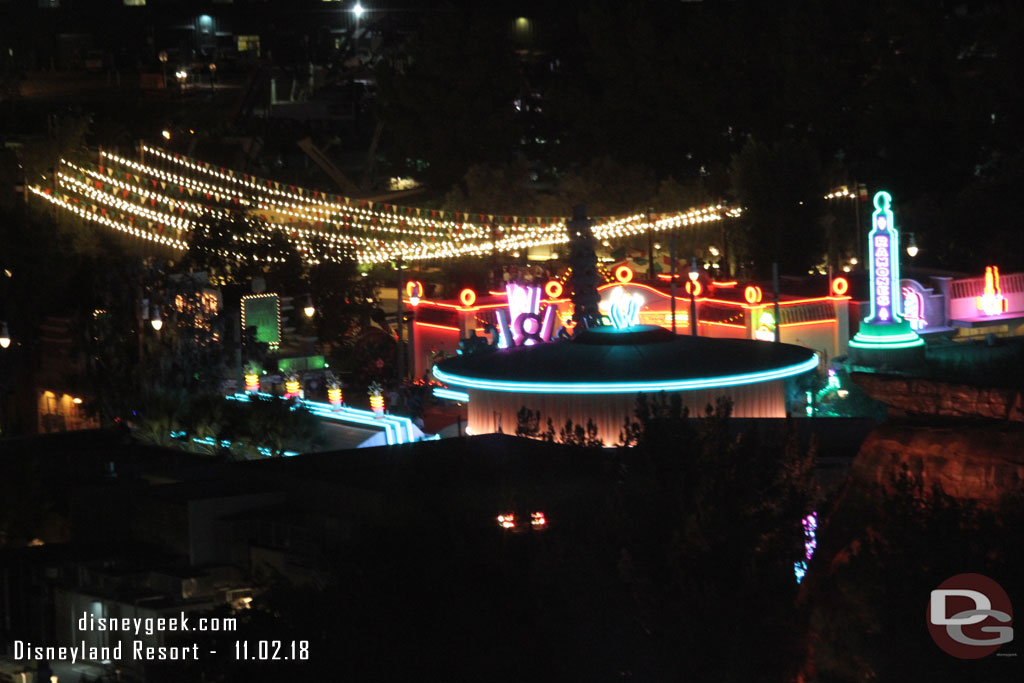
725	310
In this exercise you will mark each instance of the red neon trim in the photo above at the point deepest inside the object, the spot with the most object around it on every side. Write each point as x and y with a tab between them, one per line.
813	301
439	327
840	286
725	284
467	297
809	322
497	293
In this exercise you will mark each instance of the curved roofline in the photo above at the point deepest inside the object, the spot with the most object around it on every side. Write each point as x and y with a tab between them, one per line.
626	387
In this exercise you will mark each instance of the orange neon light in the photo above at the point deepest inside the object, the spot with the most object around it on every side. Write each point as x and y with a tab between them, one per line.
467	297
553	289
436	326
414	289
497	293
840	286
714	322
992	302
694	286
731	283
624	274
752	294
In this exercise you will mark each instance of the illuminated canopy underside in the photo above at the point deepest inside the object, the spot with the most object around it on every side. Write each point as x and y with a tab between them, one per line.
638	359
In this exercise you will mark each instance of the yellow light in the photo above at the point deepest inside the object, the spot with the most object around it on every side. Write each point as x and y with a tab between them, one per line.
252	383
291	388
77	401
334	396
377	403
166	133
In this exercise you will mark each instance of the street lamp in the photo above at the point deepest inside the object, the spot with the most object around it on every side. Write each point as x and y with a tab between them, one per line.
155	320
357	11
5	336
163	64
912	246
308	309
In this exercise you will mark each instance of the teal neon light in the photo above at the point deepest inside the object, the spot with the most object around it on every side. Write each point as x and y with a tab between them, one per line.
451	395
625	387
886	344
397	430
868	338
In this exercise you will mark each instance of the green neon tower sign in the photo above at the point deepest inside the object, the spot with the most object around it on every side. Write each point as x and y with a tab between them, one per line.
884	327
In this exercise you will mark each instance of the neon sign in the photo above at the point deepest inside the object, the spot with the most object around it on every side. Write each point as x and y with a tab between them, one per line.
913	308
883	241
766	327
885	327
624	309
624	387
992	302
521	324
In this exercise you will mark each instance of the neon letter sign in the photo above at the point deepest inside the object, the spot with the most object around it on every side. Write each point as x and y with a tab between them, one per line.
885	262
885	327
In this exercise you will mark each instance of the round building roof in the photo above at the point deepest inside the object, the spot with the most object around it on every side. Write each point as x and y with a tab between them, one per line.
635	359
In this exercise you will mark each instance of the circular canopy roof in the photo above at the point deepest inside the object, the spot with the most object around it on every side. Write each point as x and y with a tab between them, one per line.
636	359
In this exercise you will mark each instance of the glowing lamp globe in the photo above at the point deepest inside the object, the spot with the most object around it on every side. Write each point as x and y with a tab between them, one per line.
334	396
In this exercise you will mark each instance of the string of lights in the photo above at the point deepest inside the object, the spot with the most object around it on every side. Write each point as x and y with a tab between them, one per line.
148	200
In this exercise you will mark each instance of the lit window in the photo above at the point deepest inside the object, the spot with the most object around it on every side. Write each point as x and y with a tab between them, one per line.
249	44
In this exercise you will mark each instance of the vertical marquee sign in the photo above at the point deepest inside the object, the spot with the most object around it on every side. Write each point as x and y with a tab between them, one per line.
883	244
885	328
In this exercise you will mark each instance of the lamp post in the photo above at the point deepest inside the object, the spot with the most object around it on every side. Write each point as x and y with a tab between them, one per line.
357	11
5	336
694	276
163	65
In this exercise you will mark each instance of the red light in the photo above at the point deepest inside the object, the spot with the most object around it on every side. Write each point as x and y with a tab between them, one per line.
624	274
553	289
467	297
